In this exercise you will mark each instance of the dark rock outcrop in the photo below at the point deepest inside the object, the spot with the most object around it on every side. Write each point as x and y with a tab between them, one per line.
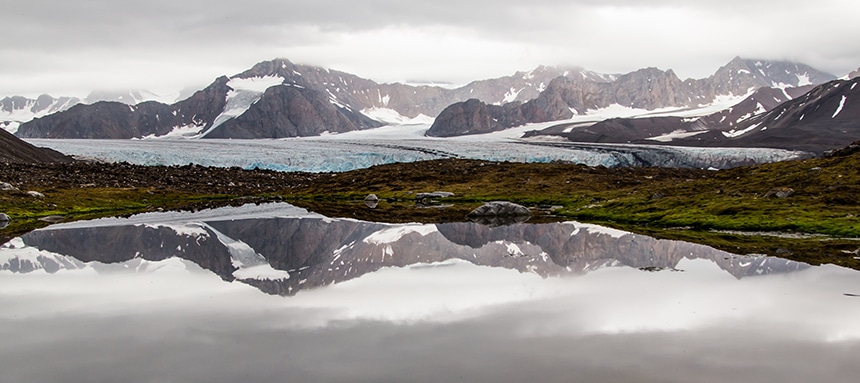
475	117
288	111
13	149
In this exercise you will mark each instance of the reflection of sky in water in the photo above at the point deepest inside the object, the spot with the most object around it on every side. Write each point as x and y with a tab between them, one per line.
172	320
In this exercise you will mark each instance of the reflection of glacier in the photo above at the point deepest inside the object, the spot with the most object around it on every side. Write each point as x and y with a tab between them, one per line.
320	155
285	254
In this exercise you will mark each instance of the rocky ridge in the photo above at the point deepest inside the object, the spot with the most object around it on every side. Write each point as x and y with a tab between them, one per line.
825	118
647	89
17	110
670	129
15	150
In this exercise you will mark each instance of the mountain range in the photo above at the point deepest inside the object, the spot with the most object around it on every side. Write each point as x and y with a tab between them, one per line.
811	119
278	98
645	89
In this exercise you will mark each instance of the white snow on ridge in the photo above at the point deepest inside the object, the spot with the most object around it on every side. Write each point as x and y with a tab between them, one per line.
246	92
12	119
841	105
254	84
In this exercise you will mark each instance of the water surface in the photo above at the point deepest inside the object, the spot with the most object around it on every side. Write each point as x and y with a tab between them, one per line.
275	293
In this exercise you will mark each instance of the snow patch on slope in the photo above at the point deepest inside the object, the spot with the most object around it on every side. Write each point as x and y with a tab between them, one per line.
392	117
841	105
511	95
737	133
246	92
803	79
248	263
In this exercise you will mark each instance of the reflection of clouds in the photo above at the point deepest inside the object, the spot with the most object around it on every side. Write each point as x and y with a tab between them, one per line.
452	321
450	291
806	305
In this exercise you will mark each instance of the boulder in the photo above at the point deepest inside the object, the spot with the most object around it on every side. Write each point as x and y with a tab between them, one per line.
4	217
780	192
372	201
35	194
5	186
501	209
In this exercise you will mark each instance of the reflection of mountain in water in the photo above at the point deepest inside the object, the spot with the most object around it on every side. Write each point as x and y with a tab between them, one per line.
286	255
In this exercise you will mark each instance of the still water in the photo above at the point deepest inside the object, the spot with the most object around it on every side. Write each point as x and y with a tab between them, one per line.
276	293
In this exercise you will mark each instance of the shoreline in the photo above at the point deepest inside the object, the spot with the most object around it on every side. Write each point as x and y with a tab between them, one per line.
715	208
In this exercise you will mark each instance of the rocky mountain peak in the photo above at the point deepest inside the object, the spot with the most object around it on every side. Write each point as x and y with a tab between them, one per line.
277	67
740	76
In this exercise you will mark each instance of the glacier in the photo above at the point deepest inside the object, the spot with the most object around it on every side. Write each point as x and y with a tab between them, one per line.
394	144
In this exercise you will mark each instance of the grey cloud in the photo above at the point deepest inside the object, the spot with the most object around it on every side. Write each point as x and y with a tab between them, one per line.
609	36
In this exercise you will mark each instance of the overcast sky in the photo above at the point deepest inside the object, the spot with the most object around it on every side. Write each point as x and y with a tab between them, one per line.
66	47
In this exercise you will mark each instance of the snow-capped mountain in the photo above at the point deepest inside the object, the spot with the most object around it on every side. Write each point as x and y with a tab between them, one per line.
825	118
668	129
647	89
278	98
16	110
810	119
307	251
740	75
